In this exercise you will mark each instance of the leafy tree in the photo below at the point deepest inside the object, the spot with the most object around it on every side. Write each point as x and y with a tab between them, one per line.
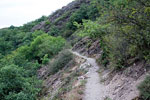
37	33
46	44
54	31
123	29
11	39
85	12
14	84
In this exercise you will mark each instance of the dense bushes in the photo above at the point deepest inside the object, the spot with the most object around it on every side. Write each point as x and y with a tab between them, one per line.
144	88
18	80
46	44
14	86
60	61
85	12
123	29
42	45
122	26
54	31
131	30
11	39
91	29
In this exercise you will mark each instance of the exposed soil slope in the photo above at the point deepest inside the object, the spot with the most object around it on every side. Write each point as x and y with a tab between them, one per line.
116	85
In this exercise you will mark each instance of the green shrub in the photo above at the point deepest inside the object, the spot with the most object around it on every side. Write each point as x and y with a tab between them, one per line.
144	88
45	59
19	96
117	49
46	44
84	12
60	62
62	17
47	22
54	31
67	33
1	56
15	86
37	33
92	29
128	35
11	39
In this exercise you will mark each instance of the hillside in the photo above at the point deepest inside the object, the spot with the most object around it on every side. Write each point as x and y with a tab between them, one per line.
87	50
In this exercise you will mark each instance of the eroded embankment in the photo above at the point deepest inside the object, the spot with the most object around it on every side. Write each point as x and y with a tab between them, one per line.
113	85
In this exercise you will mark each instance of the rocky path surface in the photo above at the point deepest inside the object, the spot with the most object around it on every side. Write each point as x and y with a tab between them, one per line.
93	90
120	85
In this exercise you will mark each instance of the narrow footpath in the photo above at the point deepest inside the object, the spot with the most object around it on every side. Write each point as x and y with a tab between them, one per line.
94	90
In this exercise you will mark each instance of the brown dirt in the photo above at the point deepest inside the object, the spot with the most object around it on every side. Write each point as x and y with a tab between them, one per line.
123	85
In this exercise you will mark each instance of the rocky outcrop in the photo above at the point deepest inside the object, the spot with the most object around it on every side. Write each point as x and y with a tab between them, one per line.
67	84
119	85
88	47
53	18
122	85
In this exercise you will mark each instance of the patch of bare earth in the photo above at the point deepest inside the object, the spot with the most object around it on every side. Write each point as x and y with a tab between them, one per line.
67	84
94	90
123	85
113	85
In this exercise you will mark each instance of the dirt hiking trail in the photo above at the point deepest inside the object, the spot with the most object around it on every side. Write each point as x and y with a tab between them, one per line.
94	90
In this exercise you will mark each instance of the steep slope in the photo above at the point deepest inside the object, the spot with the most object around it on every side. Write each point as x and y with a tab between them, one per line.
112	84
61	16
111	44
67	84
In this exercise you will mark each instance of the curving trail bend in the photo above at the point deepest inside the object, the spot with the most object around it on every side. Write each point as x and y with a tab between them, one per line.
94	90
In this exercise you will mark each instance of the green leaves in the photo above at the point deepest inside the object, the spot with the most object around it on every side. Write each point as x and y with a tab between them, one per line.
54	31
16	85
144	88
147	10
92	29
18	70
62	59
46	44
85	12
45	59
123	30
